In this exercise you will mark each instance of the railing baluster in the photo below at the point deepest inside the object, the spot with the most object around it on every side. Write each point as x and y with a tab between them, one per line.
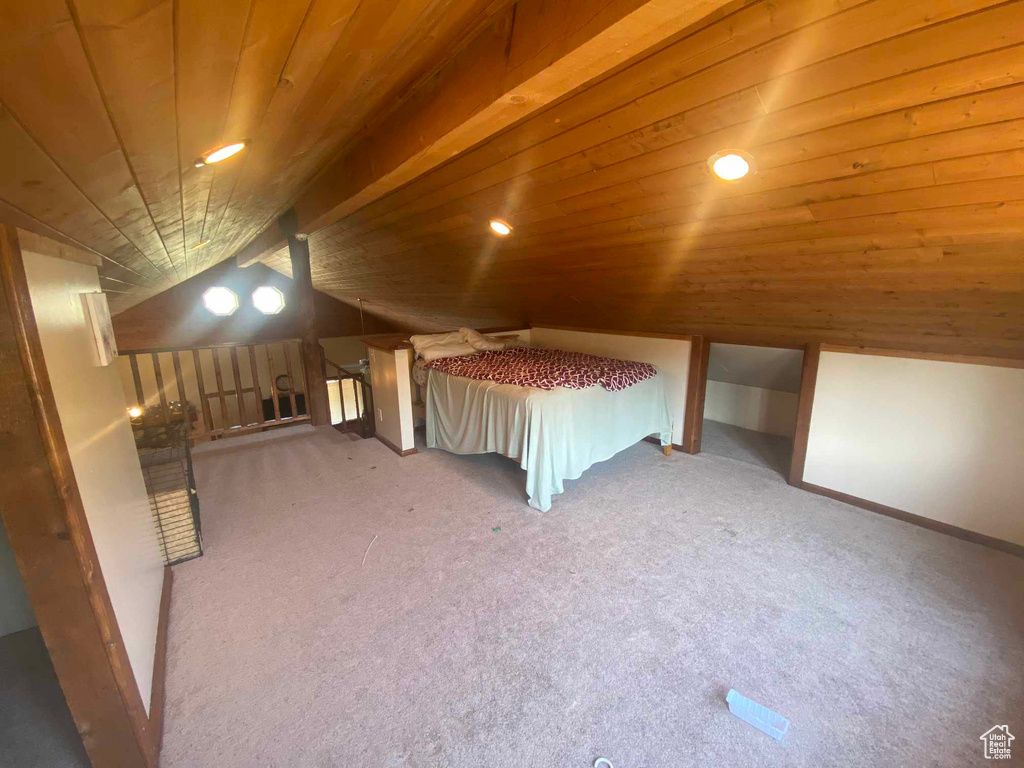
225	421
256	390
291	380
140	397
273	385
204	402
160	387
180	381
243	420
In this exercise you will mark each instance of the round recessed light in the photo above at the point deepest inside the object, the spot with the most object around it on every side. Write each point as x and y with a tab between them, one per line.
221	153
220	301
268	300
731	164
500	227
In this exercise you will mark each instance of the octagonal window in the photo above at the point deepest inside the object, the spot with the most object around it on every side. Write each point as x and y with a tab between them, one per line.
220	301
268	300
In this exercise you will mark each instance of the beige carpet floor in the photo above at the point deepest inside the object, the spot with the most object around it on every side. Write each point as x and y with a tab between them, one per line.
478	632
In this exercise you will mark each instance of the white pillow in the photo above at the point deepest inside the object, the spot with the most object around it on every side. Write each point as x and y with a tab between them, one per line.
487	343
436	351
423	341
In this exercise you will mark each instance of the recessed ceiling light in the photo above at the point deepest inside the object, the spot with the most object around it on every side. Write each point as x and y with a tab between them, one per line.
221	153
200	244
220	301
731	164
500	227
268	300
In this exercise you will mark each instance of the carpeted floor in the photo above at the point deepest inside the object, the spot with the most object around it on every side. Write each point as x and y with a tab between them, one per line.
746	445
36	728
480	632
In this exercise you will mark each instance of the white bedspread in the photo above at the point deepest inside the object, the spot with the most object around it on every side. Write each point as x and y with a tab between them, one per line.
555	435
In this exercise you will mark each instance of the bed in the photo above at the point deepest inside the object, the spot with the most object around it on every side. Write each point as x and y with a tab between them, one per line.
555	434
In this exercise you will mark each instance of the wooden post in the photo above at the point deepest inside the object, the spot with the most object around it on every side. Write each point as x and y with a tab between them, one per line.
696	388
309	344
52	542
808	380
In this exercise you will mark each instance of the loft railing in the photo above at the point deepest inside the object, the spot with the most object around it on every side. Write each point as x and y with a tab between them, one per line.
355	399
266	389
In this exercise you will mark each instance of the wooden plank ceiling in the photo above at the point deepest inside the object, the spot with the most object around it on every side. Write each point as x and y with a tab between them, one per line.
107	103
887	208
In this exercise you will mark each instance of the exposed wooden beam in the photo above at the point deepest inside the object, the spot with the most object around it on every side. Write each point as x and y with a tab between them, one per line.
536	53
309	346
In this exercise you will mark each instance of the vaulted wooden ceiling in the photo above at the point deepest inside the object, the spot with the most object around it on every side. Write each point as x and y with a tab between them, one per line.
107	103
887	208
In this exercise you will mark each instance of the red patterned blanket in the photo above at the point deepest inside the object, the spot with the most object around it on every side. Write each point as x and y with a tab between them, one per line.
547	369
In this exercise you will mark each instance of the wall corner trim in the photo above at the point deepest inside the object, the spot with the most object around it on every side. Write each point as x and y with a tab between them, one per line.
808	380
157	698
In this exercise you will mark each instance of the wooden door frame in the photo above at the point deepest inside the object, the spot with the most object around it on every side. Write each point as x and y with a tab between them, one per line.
52	543
696	393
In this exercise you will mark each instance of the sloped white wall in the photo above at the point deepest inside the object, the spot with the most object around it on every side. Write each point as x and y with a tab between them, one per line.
92	409
754	387
942	440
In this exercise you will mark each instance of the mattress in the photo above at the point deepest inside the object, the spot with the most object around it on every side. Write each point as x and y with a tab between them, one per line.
555	435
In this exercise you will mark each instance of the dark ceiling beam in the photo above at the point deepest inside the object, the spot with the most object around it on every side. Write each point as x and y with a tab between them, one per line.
534	54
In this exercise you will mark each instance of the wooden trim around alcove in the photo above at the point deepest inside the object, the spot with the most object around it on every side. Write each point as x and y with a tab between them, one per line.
696	391
52	542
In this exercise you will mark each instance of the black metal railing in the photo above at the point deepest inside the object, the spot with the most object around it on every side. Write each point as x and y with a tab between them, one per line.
356	398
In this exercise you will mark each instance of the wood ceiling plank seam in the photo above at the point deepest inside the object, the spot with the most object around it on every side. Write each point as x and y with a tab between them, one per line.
50	159
774	41
658	172
58	77
270	144
888	50
239	175
861	234
73	11
874	117
297	171
735	193
175	26
43	228
205	66
203	257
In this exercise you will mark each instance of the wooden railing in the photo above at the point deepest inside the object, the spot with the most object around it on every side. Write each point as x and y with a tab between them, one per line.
355	396
267	388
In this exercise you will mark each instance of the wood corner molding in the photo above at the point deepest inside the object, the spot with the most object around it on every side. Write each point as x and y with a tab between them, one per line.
805	404
696	392
158	695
